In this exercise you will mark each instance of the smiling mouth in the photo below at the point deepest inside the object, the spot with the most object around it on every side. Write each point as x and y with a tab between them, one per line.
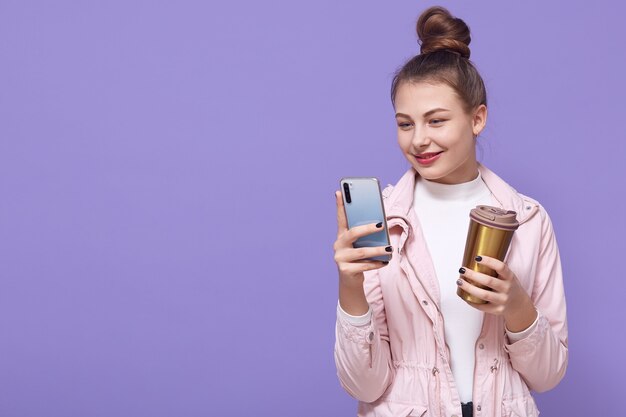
427	155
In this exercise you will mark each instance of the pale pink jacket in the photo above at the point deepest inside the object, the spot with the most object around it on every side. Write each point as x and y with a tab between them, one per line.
399	363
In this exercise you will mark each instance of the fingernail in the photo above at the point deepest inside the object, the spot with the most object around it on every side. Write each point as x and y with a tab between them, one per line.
461	270
459	282
379	225
389	249
478	258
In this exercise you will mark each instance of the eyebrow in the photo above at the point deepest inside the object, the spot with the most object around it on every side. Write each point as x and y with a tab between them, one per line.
428	113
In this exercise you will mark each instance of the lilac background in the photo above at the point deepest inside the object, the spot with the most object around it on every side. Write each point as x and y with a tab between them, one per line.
167	173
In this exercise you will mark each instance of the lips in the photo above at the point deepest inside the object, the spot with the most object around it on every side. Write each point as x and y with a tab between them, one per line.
427	155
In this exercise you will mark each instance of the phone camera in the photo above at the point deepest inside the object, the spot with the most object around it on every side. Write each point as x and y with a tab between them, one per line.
346	191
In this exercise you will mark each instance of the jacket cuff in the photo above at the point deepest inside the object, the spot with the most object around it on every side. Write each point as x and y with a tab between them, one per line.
517	336
361	334
528	344
355	320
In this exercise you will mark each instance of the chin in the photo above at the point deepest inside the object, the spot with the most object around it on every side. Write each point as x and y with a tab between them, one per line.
429	173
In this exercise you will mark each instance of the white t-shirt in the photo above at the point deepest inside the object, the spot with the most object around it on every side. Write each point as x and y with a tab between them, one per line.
443	212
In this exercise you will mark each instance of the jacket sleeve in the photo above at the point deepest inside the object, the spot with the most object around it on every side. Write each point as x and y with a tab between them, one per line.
541	357
362	354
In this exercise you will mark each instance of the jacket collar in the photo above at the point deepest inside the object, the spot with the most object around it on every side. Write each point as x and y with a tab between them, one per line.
399	199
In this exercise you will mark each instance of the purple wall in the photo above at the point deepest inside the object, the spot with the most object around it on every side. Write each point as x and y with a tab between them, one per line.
167	172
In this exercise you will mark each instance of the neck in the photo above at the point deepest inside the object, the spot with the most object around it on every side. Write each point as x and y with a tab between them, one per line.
458	191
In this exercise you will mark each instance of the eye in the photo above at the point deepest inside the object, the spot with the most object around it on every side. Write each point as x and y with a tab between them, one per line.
437	121
404	125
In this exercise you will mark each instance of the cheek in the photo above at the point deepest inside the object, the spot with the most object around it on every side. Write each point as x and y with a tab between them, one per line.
452	138
404	140
445	134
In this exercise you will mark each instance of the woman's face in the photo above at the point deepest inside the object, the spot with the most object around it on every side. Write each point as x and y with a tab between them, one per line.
435	134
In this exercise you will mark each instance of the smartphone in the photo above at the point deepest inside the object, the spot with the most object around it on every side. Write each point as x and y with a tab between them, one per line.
363	203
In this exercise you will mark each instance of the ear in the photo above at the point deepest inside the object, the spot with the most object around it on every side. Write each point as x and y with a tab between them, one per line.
479	119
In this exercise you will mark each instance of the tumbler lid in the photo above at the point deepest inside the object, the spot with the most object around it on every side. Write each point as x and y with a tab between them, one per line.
495	217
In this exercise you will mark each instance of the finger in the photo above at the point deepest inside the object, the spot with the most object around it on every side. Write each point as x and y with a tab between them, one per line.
342	222
362	266
356	254
489	296
495	264
359	231
485	308
476	277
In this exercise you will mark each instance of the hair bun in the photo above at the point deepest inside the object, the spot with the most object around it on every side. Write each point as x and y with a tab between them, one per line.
438	30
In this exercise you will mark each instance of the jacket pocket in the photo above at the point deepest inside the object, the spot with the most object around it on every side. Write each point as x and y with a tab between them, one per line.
418	412
519	407
394	409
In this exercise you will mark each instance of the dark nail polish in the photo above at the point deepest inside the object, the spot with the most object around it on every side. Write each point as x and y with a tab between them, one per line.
479	258
389	249
461	270
459	282
379	225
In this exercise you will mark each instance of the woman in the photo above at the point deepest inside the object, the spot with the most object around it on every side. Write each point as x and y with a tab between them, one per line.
406	344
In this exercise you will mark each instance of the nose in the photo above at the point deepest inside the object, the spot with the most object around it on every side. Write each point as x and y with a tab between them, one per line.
420	139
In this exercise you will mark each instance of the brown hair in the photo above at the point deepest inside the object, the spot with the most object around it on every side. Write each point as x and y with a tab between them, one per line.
444	58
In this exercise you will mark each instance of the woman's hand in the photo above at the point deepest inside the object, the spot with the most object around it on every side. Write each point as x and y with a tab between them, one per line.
350	261
507	299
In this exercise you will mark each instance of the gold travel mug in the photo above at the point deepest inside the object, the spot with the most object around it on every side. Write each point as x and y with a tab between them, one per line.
490	232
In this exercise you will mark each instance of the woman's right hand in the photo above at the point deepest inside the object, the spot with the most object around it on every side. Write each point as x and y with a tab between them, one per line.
350	261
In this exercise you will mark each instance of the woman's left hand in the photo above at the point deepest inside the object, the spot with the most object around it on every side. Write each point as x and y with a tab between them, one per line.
507	299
